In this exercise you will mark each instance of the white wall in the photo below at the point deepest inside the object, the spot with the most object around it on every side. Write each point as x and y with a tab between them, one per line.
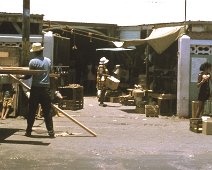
183	76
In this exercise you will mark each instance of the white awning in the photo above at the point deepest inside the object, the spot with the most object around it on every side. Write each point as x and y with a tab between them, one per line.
160	38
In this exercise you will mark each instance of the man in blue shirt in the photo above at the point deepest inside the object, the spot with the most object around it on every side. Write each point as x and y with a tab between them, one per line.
40	90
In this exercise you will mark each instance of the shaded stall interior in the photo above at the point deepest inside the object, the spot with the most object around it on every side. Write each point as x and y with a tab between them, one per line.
77	48
75	51
163	70
11	54
131	61
162	79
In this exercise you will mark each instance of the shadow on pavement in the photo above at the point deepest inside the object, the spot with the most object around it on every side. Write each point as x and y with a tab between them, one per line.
25	142
112	106
128	110
5	133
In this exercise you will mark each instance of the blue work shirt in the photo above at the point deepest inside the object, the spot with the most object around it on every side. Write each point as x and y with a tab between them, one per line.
40	63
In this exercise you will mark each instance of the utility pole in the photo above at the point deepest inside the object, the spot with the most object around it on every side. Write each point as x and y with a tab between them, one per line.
25	33
147	52
185	16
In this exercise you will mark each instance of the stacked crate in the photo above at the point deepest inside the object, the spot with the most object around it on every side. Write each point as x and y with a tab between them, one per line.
72	97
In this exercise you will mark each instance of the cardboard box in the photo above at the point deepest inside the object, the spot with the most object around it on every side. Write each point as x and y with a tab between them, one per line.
207	127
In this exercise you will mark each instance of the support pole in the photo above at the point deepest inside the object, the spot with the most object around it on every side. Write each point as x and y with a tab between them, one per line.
185	16
147	62
25	33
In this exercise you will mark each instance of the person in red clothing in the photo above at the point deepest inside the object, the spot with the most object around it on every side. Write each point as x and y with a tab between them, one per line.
203	84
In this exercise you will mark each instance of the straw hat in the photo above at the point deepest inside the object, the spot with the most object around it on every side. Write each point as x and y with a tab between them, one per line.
103	60
36	47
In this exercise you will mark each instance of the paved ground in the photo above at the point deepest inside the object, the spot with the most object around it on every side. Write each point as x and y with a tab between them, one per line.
125	141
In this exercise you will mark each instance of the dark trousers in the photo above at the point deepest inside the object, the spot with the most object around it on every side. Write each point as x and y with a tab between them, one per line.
40	95
102	96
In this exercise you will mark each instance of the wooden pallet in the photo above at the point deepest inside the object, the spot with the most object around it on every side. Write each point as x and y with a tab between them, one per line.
196	125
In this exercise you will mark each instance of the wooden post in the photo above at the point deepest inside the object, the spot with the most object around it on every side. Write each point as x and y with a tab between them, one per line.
25	33
185	16
147	62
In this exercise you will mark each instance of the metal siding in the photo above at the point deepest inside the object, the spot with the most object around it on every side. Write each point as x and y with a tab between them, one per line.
129	35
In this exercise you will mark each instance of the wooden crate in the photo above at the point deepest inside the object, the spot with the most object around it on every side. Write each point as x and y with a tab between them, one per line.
127	100
140	110
196	125
72	92
114	99
71	104
152	110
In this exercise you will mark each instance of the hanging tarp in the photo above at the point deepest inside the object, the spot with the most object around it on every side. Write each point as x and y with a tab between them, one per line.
160	38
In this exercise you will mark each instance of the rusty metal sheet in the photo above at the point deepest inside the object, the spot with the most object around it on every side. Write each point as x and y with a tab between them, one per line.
20	70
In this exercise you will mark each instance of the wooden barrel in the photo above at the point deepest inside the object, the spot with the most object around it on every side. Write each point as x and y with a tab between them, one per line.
195	105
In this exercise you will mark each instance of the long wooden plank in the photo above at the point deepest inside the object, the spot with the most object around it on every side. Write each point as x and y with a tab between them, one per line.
20	70
74	120
60	110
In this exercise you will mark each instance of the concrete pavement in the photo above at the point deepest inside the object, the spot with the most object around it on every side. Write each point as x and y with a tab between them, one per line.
125	141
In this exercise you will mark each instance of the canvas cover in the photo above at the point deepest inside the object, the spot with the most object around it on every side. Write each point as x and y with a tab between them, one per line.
160	38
